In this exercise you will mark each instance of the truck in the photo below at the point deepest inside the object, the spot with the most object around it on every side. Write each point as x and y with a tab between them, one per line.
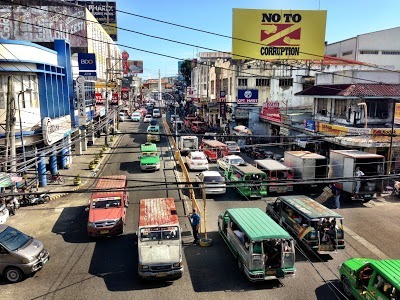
307	167
159	240
187	143
107	206
343	166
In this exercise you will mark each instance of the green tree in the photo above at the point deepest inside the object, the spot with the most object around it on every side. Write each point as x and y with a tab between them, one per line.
186	71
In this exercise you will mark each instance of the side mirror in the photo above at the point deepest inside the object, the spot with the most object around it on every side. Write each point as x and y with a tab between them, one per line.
87	208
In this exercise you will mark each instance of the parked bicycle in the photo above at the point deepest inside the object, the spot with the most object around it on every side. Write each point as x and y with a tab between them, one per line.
55	178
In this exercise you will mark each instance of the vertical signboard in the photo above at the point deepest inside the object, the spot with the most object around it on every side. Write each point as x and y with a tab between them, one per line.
80	97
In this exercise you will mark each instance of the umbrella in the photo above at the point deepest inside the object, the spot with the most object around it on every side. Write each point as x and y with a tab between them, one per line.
242	129
7	179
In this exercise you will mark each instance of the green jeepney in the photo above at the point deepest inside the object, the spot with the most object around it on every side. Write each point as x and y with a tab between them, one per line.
149	158
317	227
262	248
365	278
249	181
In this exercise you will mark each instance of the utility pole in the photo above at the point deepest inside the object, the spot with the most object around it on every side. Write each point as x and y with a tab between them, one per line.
159	88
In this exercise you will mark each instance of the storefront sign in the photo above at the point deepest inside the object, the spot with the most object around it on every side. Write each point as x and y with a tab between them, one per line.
335	130
87	61
80	96
135	66
55	129
397	114
247	96
99	99
310	125
124	95
222	110
382	135
241	113
270	112
114	99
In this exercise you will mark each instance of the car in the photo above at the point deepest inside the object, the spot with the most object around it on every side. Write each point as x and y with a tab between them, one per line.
232	147
278	157
147	118
136	116
20	255
156	113
121	116
174	117
197	160
226	162
212	181
153	122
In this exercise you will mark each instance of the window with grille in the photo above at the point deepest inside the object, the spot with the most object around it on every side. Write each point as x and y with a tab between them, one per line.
242	82
262	82
322	106
378	108
212	87
286	82
391	52
340	108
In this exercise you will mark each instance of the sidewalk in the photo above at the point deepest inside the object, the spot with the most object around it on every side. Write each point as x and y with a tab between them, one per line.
79	166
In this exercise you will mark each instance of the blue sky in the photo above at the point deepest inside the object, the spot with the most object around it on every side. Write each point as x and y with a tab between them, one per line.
345	19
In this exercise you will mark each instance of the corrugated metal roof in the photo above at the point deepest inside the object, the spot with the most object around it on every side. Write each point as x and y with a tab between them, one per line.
256	224
353	90
157	212
308	207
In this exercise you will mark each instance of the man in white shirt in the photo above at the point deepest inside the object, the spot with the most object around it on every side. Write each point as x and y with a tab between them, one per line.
358	173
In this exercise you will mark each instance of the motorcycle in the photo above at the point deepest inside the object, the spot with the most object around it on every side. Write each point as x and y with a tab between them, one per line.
34	199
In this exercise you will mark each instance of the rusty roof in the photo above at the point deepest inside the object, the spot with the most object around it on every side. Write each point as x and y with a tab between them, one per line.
353	90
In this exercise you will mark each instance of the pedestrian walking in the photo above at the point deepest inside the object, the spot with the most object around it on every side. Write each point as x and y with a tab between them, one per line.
194	219
336	195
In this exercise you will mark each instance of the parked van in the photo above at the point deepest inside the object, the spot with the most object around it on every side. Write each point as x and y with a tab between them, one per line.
365	278
317	227
20	254
149	157
159	239
262	248
107	207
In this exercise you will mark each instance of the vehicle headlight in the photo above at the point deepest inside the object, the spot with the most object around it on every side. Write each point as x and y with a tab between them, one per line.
177	265
90	224
28	260
144	267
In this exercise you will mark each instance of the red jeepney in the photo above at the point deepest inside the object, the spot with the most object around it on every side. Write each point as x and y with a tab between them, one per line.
198	127
213	149
188	120
107	207
277	172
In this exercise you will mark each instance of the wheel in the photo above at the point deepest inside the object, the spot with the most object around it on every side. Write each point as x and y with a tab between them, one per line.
46	198
346	287
13	274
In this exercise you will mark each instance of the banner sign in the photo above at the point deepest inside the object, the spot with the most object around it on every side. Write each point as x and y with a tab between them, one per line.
278	34
135	66
270	112
247	96
124	95
222	110
99	99
55	129
80	97
114	99
105	13
397	114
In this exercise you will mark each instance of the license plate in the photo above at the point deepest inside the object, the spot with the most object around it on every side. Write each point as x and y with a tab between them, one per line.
367	196
272	272
161	275
104	231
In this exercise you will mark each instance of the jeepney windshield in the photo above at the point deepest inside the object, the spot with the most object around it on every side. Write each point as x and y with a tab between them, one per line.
159	233
106	202
149	154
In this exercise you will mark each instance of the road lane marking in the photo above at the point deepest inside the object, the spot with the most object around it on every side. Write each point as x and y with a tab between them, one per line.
365	243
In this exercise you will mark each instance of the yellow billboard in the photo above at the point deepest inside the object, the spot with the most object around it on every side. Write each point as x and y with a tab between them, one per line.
397	114
278	34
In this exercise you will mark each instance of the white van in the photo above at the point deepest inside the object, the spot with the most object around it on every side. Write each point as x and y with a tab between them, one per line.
156	113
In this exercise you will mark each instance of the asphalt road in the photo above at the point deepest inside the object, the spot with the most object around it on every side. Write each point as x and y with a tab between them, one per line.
81	268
